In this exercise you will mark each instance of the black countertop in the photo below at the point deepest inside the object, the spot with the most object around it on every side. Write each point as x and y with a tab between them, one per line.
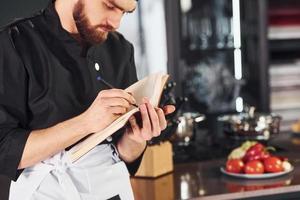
203	180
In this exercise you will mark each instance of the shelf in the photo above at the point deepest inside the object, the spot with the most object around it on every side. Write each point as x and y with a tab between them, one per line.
290	106
285	84
193	56
213	49
284	45
285	68
284	32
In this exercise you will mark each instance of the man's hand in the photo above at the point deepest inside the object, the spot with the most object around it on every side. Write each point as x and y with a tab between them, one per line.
108	106
153	121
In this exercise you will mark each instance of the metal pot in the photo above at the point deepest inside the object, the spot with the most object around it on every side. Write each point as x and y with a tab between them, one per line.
251	126
186	127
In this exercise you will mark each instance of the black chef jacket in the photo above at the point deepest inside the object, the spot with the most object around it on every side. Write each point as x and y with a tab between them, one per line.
47	77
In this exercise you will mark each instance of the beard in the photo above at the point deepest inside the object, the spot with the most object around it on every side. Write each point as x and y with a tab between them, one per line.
88	33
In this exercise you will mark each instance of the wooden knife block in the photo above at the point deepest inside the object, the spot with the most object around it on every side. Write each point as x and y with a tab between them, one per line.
160	188
157	160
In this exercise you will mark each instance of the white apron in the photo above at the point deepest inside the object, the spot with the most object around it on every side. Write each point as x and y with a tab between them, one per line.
98	175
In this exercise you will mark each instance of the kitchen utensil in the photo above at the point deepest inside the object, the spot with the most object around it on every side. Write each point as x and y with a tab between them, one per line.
186	127
167	97
179	102
250	125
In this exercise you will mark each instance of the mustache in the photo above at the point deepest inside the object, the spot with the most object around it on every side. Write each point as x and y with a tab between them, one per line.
107	28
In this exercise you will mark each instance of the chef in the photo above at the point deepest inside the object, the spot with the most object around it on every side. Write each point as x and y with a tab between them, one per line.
51	98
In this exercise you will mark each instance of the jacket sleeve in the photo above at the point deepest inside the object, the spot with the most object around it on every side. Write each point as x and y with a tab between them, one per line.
13	107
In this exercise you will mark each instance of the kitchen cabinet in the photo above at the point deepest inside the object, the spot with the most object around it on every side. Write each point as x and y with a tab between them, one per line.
225	54
218	55
284	69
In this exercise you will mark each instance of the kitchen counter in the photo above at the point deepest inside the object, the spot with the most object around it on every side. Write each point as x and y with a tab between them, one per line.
203	180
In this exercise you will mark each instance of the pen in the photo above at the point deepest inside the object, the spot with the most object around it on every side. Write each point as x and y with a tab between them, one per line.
110	86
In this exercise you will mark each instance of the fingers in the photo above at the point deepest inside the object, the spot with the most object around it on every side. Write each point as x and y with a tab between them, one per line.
134	125
168	109
117	110
146	124
153	119
162	118
114	101
135	129
117	93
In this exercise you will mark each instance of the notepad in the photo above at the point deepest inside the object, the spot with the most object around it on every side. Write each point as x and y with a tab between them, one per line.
150	86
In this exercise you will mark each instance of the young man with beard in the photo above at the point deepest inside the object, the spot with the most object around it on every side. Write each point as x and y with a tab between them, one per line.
51	98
